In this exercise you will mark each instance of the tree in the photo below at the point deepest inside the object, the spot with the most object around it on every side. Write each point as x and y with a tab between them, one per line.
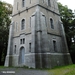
5	12
68	19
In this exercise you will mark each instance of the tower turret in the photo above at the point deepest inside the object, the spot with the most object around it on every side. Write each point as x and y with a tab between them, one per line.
37	37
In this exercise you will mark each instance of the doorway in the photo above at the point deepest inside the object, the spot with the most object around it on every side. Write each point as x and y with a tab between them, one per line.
22	56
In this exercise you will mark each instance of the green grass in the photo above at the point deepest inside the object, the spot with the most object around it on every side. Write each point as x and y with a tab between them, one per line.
65	70
2	67
6	67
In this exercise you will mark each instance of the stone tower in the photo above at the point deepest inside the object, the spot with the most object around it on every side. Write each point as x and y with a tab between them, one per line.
37	37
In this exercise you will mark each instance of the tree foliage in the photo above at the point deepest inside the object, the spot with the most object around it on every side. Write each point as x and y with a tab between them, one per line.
68	19
5	13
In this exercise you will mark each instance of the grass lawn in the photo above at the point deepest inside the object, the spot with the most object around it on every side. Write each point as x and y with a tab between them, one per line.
2	67
66	70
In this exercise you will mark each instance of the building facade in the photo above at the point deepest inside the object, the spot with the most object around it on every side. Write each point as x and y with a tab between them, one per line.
37	37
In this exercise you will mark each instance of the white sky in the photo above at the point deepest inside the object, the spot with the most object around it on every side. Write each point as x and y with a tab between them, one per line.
69	3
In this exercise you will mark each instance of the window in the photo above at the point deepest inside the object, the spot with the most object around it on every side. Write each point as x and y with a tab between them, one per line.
51	22
29	47
54	45
15	49
49	4
22	24
22	41
23	3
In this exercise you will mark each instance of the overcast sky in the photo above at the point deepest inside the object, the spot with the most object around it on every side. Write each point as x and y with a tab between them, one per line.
69	3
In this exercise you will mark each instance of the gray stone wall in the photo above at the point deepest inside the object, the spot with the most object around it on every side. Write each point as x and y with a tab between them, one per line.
39	33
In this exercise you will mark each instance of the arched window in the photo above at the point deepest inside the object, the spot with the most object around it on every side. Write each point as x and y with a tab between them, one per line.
49	3
23	3
51	22
22	24
22	41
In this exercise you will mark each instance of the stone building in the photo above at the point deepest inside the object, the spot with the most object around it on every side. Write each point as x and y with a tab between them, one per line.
37	37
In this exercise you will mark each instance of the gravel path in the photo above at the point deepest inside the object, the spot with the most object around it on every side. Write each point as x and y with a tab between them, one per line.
22	71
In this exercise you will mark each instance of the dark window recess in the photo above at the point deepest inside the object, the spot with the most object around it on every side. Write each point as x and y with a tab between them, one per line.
49	3
29	47
54	45
23	24
23	41
23	3
15	50
20	41
51	22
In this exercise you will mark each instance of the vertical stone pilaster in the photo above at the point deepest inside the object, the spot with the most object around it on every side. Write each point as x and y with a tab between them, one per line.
45	43
8	60
33	22
38	57
64	42
33	33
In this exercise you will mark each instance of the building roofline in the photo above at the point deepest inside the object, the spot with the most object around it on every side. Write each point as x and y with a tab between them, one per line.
19	12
